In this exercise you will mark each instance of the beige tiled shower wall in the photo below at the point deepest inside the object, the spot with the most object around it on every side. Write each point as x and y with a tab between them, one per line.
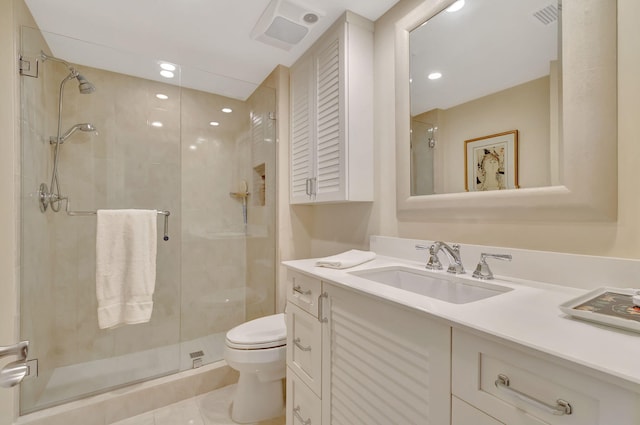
261	244
214	160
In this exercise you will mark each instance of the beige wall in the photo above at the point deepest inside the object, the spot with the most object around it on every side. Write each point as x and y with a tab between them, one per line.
337	227
497	113
524	108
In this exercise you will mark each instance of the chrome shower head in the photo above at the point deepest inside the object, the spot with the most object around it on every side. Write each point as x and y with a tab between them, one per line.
84	85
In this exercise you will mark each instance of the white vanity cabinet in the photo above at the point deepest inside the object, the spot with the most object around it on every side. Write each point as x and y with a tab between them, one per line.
304	350
517	388
381	363
331	97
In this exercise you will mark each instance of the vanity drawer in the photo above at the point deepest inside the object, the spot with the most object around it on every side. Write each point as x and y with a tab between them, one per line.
465	414
303	291
303	406
304	346
517	388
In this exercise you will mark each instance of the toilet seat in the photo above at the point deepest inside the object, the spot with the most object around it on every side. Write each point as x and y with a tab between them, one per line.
264	332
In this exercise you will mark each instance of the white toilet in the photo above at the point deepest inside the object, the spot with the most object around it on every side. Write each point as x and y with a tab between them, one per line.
257	350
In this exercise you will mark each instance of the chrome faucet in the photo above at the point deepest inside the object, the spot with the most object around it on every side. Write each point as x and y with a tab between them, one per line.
453	255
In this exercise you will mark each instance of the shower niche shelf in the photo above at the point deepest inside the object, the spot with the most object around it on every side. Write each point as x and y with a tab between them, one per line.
260	183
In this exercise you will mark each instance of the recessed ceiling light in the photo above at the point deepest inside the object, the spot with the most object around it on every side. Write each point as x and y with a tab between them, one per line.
167	66
193	147
456	6
434	75
166	74
227	110
162	96
214	123
156	124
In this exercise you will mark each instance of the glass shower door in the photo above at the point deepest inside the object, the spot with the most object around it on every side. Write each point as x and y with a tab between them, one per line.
129	163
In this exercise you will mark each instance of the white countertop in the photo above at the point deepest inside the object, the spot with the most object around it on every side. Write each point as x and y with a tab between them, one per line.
528	315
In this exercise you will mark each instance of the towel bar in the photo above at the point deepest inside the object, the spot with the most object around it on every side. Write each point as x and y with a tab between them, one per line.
166	215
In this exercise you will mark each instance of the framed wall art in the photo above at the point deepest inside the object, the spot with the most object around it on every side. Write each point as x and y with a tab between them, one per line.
491	162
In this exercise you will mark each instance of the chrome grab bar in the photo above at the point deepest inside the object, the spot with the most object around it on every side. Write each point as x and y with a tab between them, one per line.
300	346
296	413
13	373
561	408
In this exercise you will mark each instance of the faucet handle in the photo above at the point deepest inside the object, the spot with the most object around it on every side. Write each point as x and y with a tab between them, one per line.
434	262
482	269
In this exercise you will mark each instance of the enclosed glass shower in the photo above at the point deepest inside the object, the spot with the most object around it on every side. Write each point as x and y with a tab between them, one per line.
152	144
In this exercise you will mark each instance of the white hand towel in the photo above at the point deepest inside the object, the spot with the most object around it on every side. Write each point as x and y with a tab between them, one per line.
346	259
126	250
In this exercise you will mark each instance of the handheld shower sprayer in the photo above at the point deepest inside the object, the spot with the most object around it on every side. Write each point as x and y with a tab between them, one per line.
82	127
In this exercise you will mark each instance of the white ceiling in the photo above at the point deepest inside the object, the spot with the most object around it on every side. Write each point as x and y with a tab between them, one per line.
210	39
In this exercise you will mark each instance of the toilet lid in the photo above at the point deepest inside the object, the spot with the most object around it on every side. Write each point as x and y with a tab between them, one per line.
265	332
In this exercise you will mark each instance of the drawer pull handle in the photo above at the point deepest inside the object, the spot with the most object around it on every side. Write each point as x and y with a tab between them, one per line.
321	299
296	413
299	290
561	408
300	346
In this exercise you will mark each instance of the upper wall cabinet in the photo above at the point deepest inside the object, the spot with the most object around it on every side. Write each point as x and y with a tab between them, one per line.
331	152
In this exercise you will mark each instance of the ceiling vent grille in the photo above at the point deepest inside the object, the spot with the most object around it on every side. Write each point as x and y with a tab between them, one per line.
547	15
284	24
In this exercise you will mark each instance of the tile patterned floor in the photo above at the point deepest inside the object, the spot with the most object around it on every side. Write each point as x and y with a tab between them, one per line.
207	409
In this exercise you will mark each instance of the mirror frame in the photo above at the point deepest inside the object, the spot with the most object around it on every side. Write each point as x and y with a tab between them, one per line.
589	129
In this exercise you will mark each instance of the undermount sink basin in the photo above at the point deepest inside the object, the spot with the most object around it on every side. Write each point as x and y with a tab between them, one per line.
449	288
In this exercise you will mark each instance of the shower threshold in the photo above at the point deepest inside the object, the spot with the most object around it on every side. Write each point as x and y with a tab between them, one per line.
76	381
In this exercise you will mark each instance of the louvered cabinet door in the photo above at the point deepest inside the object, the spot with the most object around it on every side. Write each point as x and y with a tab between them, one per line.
382	364
329	184
332	116
302	138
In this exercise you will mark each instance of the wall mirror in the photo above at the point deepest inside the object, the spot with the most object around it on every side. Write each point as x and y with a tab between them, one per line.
566	119
482	68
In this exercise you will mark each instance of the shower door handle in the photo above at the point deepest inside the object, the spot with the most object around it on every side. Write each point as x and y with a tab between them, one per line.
13	373
20	349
